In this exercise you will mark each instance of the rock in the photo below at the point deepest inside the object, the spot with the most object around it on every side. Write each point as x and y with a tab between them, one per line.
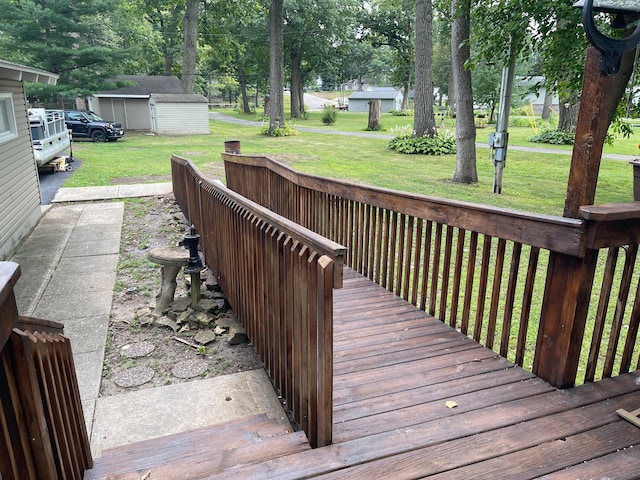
222	304
143	312
237	335
207	305
226	320
219	330
146	320
183	317
167	322
205	337
136	350
181	305
200	319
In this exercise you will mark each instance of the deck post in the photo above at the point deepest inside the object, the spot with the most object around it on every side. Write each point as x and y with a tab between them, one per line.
570	279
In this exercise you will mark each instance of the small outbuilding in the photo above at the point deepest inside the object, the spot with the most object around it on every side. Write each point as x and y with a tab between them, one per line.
19	183
153	104
179	114
390	99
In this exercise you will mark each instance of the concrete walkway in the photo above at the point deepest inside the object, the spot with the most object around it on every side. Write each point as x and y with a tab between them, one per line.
68	268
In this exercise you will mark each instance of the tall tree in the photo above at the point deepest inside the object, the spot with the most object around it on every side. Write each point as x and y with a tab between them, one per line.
190	50
392	23
466	171
424	123
72	39
276	66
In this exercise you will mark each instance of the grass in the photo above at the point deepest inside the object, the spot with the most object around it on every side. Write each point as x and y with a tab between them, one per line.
143	158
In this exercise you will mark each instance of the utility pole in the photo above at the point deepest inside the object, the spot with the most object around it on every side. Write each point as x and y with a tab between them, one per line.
499	140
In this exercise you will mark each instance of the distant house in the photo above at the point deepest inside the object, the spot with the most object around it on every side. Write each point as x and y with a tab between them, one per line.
537	95
390	99
19	185
153	104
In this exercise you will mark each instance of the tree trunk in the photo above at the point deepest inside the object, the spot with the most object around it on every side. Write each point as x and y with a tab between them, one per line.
424	122
242	79
466	171
568	115
405	93
296	83
374	115
190	46
546	106
276	66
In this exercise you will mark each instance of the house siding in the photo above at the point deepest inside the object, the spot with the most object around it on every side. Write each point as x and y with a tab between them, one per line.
19	184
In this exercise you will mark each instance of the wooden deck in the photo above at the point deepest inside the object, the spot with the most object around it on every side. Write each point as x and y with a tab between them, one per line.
395	370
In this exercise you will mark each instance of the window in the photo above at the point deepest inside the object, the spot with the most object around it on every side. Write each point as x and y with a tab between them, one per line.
8	128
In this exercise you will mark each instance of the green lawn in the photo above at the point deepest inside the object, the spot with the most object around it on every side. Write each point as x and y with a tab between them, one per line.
532	181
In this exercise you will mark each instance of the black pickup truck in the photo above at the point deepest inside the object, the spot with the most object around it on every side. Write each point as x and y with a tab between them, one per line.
86	124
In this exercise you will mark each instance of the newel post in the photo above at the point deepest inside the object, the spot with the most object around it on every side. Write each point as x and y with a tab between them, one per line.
569	279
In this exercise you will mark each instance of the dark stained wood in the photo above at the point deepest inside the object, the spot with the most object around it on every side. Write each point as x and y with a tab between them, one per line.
553	233
593	121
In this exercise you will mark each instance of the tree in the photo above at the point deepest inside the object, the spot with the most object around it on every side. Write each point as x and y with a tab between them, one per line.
72	39
424	123
466	171
276	67
391	23
190	50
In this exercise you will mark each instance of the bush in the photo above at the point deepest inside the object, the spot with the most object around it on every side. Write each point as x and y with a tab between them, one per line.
287	131
401	113
329	114
441	144
553	137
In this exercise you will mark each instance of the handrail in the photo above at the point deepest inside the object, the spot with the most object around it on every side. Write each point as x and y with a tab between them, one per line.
483	270
279	278
42	432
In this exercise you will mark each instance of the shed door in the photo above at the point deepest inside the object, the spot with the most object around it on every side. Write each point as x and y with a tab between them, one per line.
119	111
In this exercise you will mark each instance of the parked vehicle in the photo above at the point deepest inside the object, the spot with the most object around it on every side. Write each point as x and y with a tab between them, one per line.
49	135
86	124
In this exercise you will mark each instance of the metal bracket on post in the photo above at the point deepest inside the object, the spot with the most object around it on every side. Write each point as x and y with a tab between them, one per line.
498	142
612	49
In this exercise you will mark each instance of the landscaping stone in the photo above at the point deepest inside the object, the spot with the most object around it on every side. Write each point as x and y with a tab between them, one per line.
189	368
137	350
134	377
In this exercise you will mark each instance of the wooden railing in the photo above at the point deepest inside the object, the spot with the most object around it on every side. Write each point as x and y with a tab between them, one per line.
279	279
42	429
492	273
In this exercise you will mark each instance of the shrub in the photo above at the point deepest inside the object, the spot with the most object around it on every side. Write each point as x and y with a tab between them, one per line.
553	137
442	144
401	113
287	131
329	114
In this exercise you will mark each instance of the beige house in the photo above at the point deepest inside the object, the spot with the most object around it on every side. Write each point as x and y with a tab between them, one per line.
19	183
153	104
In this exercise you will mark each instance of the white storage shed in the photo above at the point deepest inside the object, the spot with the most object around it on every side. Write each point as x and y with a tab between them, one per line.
179	114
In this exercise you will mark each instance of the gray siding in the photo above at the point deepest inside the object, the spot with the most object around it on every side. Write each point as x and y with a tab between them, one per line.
19	184
133	113
182	118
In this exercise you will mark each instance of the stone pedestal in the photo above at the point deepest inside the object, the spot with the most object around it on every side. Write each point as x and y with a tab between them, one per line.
172	259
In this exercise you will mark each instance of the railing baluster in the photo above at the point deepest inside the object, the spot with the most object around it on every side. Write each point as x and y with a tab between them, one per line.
495	292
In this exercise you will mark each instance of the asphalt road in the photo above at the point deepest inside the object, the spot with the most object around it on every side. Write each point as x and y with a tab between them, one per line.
51	182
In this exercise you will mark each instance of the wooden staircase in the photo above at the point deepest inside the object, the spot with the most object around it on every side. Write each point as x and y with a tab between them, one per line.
200	453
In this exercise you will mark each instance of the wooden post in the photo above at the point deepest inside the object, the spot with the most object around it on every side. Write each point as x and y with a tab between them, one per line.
570	279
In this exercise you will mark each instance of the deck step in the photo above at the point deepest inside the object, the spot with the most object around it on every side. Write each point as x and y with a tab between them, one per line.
197	453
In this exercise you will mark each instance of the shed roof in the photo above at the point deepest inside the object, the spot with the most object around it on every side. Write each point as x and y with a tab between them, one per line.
144	85
178	98
372	95
14	71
